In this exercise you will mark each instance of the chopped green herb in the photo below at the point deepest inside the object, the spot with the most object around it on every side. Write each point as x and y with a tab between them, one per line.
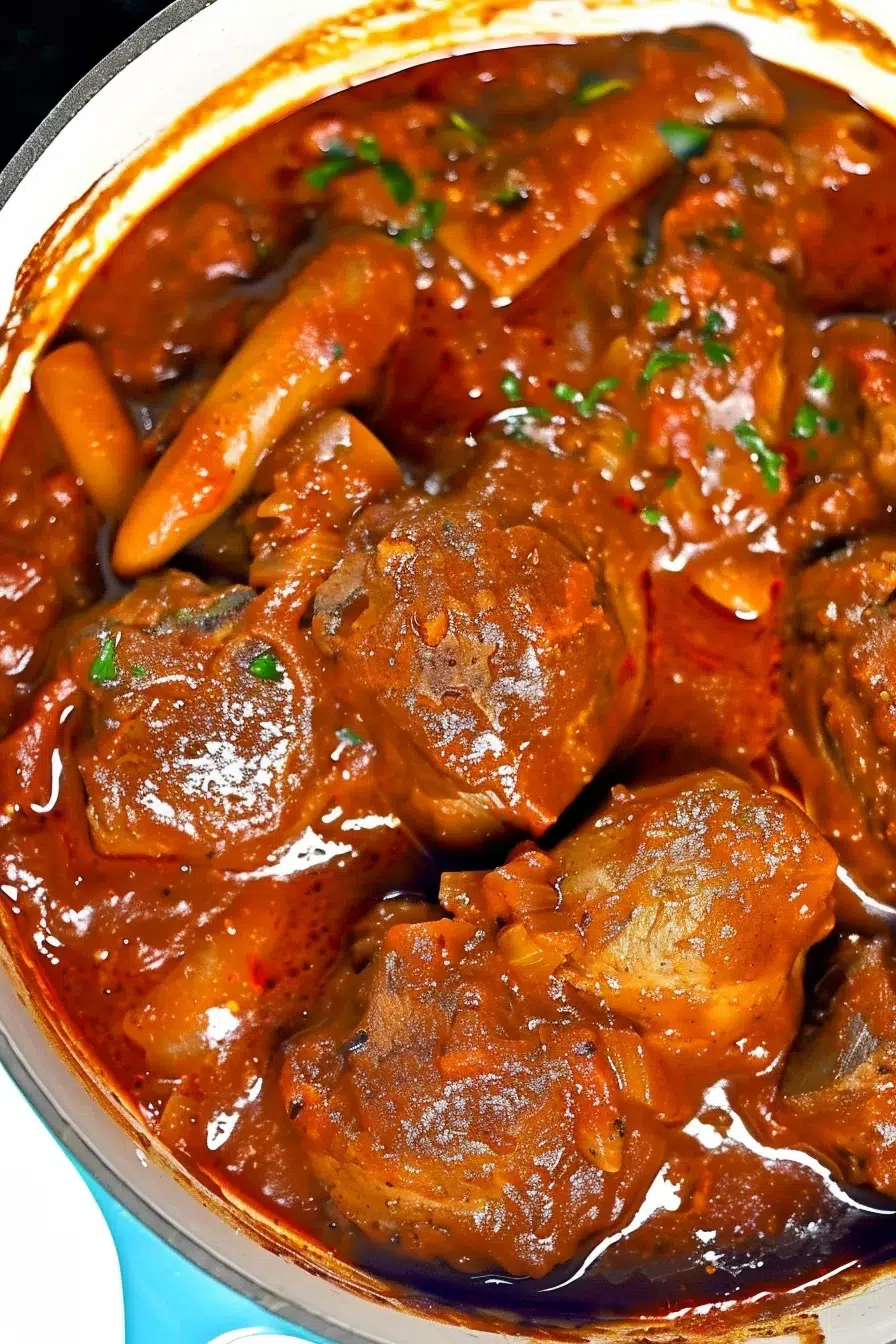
672	479
368	150
349	737
263	248
833	426
601	388
585	403
104	668
567	393
592	90
336	353
767	460
661	360
805	422
429	216
515	418
511	386
527	412
812	453
822	380
511	196
716	351
462	123
631	435
138	670
267	666
684	141
735	229
337	159
714	323
658	311
653	517
399	182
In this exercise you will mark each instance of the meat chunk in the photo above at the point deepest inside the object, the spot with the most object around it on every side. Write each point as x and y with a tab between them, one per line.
451	1111
697	900
839	1088
840	688
201	739
494	642
686	908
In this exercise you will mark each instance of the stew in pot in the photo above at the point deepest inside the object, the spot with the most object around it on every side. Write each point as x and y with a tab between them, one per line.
449	677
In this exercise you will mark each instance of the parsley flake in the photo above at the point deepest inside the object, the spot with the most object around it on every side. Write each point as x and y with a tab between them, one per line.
767	460
822	380
661	360
593	90
653	517
682	140
469	128
805	422
266	666
104	668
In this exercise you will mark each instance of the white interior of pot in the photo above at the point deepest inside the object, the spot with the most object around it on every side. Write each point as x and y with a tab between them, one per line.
191	58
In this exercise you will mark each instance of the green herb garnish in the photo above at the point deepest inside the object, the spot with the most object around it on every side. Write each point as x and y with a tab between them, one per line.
672	479
585	402
349	737
767	460
682	140
805	422
104	668
822	380
714	323
716	351
462	123
266	666
511	386
592	90
517	417
368	150
336	353
399	182
429	216
337	159
511	196
661	360
658	311
735	229
138	670
653	517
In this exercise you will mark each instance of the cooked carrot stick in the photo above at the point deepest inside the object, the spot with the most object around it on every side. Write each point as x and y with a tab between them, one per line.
91	422
512	222
316	347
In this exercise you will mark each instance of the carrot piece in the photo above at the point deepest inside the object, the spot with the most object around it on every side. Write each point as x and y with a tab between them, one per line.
96	433
317	347
509	224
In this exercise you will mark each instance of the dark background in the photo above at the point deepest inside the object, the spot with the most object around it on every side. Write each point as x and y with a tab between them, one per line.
45	49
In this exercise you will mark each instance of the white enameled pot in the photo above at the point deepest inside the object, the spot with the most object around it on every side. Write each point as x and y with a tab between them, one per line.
196	78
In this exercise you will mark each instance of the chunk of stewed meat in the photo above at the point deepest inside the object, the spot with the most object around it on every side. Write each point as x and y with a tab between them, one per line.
200	737
494	642
840	686
450	1110
839	1088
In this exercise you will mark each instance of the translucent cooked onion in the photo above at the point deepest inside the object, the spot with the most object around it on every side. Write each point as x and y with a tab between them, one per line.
306	562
